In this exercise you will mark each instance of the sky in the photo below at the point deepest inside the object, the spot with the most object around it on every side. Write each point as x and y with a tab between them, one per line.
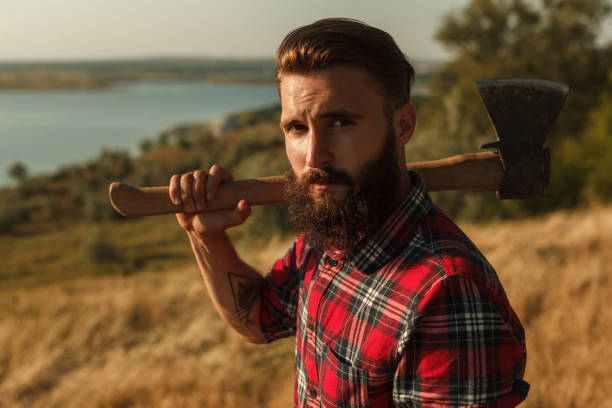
95	29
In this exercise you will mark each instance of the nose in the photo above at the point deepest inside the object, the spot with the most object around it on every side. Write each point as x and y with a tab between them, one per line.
319	154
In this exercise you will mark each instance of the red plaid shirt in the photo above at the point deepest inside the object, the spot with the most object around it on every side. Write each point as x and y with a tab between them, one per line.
416	317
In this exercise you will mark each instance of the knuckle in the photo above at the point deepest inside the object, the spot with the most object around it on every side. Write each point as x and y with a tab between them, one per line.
186	180
215	169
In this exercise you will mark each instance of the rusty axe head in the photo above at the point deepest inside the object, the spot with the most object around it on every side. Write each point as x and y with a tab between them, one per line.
522	112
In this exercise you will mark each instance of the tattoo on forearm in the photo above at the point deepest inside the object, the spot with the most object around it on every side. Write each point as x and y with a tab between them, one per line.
244	291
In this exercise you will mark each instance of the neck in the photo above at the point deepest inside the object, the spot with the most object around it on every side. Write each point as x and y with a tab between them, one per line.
405	186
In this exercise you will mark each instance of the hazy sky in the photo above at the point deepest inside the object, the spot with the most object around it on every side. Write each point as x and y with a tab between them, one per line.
75	29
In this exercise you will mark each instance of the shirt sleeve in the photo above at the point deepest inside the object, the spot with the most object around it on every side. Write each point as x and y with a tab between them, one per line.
279	296
460	352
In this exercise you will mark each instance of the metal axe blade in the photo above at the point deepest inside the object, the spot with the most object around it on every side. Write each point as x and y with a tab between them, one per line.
522	111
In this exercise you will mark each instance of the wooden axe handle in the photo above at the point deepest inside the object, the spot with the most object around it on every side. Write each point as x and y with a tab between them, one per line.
472	171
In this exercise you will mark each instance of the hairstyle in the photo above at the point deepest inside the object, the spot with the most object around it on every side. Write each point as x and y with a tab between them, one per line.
335	41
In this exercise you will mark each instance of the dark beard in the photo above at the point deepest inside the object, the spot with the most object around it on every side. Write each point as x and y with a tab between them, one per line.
343	223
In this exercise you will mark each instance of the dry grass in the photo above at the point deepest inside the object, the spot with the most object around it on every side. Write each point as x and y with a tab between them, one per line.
557	273
153	339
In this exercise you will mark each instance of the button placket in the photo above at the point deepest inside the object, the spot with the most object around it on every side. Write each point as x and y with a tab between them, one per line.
319	282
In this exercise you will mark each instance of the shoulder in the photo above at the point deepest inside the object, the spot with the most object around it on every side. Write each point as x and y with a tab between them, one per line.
455	253
437	250
441	258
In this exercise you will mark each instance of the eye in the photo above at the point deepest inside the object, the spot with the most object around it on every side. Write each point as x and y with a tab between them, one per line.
339	123
296	127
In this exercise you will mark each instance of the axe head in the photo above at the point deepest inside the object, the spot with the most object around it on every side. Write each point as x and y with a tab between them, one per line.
523	112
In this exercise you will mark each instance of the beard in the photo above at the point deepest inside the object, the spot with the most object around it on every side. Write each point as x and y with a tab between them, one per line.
343	223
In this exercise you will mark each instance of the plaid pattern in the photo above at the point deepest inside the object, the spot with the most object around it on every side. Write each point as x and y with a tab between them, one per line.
415	317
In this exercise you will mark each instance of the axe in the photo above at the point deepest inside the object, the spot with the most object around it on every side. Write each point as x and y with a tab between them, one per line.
522	112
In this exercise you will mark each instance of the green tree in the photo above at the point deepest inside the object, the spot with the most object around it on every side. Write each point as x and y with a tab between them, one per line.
554	39
587	161
18	171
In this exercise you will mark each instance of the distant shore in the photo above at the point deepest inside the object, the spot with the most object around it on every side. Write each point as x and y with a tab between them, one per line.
105	74
58	81
88	75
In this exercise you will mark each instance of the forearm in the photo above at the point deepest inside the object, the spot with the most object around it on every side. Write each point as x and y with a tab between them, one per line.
233	286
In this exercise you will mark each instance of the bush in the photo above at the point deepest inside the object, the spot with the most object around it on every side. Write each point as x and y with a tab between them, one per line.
11	215
99	250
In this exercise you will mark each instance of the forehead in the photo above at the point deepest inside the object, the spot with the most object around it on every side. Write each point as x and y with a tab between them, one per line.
339	87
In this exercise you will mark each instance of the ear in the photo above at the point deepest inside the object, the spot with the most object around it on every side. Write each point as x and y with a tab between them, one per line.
404	121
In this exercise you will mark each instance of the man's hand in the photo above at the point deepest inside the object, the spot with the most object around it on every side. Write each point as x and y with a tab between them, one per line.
193	190
232	284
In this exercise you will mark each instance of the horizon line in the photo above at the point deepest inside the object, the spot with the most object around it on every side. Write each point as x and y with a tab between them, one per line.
94	59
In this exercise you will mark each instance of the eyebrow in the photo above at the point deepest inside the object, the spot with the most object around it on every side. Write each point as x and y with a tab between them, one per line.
332	114
341	113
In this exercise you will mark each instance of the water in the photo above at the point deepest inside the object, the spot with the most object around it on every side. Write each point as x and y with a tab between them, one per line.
47	129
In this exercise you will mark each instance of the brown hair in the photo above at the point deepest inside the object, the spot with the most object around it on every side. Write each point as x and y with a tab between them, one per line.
334	41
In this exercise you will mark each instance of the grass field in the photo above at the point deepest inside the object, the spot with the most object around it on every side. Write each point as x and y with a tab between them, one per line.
152	338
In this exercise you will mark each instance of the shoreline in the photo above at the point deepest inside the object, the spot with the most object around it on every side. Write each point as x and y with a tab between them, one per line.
117	83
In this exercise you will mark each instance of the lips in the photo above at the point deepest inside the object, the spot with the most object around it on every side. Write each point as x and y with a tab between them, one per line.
321	185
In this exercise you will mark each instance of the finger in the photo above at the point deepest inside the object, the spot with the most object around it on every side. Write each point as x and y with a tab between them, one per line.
217	175
199	189
187	192
240	213
175	189
220	220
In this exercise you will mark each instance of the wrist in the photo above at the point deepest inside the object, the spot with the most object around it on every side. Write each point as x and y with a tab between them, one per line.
206	240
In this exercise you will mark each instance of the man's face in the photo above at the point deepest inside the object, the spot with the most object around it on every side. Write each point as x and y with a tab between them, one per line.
343	150
332	119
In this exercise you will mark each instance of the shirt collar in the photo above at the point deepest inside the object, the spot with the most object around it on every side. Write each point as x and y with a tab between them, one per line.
398	230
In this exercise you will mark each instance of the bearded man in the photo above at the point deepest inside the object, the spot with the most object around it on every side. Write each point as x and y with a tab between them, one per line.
390	303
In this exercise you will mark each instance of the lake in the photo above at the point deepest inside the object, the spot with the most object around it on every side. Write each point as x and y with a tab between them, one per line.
47	129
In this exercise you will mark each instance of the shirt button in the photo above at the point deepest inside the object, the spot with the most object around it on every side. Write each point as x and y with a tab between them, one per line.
333	262
311	326
313	393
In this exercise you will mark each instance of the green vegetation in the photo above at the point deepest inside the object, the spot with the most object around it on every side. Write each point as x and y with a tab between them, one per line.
69	209
501	38
18	171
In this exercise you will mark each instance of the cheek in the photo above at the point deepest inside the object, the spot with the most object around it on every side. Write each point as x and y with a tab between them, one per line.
295	156
360	147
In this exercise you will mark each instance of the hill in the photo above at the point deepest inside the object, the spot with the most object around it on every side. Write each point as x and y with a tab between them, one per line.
154	339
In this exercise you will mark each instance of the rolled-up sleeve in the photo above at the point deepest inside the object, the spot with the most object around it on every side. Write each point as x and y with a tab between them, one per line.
460	352
279	296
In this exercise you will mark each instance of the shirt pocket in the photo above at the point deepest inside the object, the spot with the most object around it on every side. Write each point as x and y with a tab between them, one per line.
341	384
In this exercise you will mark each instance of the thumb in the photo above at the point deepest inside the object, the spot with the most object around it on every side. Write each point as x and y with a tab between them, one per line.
208	222
240	213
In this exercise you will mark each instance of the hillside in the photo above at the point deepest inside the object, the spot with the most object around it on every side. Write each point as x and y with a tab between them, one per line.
153	338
